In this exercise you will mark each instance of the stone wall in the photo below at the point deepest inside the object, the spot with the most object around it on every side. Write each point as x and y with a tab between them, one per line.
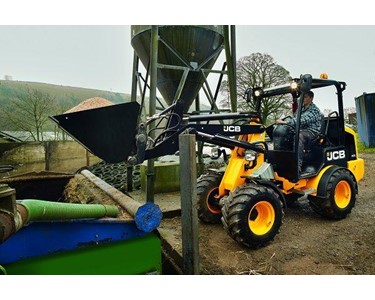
58	156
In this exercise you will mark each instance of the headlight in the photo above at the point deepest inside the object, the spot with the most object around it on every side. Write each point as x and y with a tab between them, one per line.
294	85
258	92
250	155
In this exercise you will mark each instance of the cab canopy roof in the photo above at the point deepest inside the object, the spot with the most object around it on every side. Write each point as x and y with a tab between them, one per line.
287	88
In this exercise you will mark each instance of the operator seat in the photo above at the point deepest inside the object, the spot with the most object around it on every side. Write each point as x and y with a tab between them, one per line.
314	151
327	129
321	137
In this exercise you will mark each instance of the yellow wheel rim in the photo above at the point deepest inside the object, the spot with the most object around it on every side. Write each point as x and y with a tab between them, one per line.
212	203
261	218
343	194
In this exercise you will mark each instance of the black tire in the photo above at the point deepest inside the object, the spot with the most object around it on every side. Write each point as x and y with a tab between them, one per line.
247	213
209	210
341	193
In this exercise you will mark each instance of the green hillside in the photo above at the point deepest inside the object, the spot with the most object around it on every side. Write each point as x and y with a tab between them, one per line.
62	99
72	95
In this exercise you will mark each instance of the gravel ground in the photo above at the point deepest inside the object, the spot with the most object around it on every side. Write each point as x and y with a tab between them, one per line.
306	244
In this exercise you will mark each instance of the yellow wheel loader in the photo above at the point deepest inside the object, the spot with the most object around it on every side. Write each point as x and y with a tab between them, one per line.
261	176
250	196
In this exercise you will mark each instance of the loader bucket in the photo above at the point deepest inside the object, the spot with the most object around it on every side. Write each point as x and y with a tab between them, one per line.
107	132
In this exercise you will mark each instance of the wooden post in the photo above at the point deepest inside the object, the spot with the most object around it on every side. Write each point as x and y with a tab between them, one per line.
47	155
189	214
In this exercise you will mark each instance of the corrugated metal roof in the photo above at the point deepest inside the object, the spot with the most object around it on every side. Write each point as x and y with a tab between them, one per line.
24	136
9	137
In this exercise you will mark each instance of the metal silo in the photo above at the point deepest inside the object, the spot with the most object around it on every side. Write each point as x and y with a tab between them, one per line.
192	48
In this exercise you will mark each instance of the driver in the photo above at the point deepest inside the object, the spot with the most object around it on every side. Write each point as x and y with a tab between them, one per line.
311	121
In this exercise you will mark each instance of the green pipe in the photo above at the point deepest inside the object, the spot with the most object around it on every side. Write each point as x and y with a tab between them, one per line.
2	269
46	210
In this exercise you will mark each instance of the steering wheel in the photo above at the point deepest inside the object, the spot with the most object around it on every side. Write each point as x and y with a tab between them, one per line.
289	125
292	127
271	128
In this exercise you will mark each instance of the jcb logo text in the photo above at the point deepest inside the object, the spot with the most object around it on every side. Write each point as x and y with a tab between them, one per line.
334	155
232	129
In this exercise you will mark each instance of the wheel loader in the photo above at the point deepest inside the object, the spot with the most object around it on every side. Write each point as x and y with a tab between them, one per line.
250	196
262	174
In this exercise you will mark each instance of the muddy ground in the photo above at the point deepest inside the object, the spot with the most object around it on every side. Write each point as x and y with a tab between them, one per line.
306	244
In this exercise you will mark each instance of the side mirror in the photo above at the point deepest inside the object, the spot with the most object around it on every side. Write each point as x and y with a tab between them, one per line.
248	94
305	83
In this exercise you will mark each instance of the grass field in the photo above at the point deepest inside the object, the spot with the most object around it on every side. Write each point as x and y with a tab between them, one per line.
70	94
363	149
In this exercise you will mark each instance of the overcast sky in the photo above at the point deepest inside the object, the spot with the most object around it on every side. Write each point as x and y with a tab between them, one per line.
100	57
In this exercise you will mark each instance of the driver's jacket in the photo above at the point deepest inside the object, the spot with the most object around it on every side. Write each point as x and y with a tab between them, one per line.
311	118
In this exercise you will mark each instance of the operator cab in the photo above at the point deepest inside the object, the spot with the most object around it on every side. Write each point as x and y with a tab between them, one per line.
329	146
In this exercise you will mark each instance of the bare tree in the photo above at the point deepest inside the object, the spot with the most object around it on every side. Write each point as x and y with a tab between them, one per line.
28	111
260	70
61	107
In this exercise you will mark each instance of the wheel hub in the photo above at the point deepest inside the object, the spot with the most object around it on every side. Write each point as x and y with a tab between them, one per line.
212	202
261	218
343	194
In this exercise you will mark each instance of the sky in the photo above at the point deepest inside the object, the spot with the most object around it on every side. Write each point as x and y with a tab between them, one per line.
100	56
71	43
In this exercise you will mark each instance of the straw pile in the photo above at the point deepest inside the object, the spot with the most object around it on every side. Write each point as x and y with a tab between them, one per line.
89	104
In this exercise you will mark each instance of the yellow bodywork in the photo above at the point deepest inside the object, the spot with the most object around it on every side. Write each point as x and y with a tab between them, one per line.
357	167
235	171
303	184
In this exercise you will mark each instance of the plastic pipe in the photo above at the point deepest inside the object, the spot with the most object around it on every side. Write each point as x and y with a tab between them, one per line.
38	210
147	217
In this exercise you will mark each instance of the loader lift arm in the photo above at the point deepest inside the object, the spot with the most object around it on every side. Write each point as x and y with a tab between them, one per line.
220	135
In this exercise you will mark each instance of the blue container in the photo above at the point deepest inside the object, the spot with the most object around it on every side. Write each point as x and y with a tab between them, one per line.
81	247
365	106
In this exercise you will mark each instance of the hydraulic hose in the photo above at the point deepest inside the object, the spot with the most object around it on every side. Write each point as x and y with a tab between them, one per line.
38	210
